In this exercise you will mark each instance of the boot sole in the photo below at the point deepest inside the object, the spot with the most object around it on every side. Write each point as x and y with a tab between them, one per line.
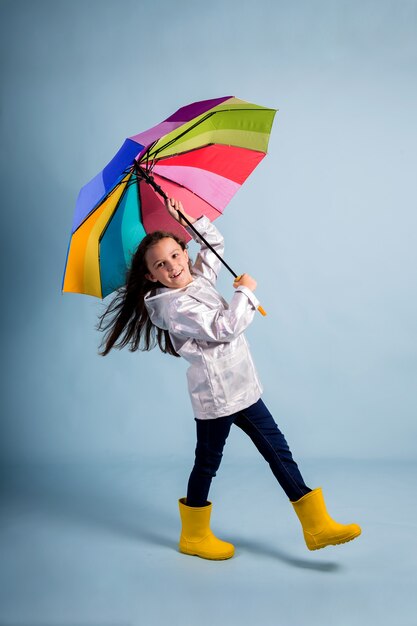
336	543
208	556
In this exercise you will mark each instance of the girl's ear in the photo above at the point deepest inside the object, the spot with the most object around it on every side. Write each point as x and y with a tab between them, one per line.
152	278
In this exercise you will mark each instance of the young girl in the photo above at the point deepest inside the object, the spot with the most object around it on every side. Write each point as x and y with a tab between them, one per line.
169	301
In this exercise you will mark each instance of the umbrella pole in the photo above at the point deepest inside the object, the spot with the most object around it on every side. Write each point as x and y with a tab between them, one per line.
182	216
149	179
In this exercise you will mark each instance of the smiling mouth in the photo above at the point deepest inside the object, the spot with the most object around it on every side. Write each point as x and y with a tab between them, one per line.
177	275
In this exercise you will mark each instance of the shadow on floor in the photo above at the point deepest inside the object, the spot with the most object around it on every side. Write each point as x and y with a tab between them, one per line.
256	547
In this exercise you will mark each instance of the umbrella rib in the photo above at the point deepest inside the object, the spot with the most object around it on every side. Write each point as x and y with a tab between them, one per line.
103	232
140	216
206	145
206	117
106	196
163	147
132	181
170	156
146	154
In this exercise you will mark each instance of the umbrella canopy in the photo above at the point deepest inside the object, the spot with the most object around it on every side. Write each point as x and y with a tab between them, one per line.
200	155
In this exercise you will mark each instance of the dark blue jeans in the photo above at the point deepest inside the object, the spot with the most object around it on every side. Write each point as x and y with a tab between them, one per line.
257	422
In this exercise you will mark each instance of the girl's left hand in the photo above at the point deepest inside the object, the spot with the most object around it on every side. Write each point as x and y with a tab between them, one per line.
245	280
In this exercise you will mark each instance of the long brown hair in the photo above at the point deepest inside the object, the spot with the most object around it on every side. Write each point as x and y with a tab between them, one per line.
125	320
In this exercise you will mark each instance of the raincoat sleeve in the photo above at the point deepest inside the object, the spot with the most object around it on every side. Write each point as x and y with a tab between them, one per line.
206	263
192	319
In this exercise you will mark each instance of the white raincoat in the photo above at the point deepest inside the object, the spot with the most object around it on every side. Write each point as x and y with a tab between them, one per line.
208	333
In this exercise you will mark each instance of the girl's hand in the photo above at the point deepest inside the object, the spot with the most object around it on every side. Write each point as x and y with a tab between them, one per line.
173	206
245	280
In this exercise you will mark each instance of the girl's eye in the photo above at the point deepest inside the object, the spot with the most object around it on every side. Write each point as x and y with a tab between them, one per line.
160	264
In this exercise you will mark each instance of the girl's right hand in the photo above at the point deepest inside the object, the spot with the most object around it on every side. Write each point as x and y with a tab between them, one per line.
173	206
245	280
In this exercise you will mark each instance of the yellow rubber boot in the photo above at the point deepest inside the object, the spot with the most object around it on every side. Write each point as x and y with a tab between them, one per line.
196	537
319	529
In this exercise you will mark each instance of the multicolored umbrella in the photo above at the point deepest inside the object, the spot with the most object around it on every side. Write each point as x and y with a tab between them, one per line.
200	155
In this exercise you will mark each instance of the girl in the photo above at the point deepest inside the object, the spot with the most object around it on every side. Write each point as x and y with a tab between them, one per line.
169	301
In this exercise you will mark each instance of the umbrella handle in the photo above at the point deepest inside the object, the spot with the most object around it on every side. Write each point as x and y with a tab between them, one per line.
260	309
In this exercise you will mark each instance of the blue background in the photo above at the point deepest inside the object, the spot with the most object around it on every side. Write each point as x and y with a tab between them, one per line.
327	223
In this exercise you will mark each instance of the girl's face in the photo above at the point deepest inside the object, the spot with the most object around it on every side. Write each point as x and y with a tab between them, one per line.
167	263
